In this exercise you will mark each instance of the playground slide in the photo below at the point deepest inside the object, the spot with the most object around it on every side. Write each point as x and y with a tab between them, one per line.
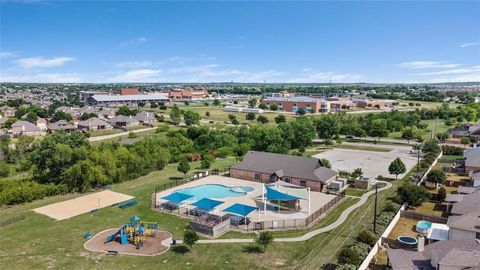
111	237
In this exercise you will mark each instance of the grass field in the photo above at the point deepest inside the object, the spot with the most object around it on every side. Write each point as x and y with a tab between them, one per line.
37	242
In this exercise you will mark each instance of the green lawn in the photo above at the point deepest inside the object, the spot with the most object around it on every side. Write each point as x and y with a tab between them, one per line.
355	192
38	242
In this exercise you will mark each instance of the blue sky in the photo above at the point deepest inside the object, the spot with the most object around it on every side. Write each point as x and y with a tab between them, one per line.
311	42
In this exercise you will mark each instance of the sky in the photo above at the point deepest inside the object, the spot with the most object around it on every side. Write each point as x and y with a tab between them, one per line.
273	42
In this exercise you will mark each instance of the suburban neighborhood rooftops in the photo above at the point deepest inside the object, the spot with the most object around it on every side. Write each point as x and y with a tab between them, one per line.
408	259
104	98
145	116
438	250
466	258
287	165
295	99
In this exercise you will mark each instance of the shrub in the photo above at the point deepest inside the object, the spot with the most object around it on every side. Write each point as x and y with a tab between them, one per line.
367	237
162	128
390	207
205	164
346	267
26	190
452	150
328	142
224	152
442	194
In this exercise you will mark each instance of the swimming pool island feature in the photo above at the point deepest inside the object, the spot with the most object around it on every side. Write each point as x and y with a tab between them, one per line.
272	206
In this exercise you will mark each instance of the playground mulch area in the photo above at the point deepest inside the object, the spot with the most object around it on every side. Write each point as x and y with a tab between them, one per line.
153	245
83	204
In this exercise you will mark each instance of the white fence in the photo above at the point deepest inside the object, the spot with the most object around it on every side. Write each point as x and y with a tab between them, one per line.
374	250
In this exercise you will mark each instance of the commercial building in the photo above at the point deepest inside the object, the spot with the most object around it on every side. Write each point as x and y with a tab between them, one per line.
270	167
188	95
293	104
104	100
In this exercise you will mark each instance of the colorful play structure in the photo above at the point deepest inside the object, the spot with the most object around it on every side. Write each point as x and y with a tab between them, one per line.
134	232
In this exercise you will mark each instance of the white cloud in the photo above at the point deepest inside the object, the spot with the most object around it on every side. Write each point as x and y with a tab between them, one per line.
7	55
470	44
138	75
135	41
41	62
453	71
427	64
135	64
44	78
322	77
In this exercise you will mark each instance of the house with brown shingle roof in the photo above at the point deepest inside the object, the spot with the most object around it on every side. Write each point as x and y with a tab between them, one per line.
93	124
61	125
25	128
146	118
124	121
271	167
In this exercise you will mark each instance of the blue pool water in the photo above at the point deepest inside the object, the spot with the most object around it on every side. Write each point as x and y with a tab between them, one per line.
423	226
215	191
407	240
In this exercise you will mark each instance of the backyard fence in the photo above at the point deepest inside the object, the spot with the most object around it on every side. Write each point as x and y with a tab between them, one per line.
366	262
421	216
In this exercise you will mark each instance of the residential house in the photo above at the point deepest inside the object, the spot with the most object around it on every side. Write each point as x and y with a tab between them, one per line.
124	121
107	113
7	111
146	118
472	160
465	131
41	123
25	128
441	255
464	219
93	124
270	167
61	125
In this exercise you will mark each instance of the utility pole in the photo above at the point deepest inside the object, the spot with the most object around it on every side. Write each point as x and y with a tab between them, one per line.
375	211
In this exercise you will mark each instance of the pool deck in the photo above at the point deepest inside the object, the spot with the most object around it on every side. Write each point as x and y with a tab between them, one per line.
318	199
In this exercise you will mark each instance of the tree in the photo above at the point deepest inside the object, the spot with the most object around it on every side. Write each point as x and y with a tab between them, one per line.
357	173
301	111
83	176
407	134
125	110
327	127
264	239
235	102
436	177
186	103
412	194
231	117
183	167
216	102
348	256
262	106
465	141
280	119
442	194
303	132
262	119
252	102
397	167
31	117
326	163
190	237
191	118
61	115
274	107
205	164
86	116
207	114
250	116
235	121
141	104
8	123
367	237
176	115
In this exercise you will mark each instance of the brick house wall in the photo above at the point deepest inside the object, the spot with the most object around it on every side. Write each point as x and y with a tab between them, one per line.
265	178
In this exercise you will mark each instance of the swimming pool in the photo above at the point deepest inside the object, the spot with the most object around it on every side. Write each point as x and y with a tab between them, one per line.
423	226
408	240
215	191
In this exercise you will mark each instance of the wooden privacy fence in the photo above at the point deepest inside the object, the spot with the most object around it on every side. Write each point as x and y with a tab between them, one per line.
421	216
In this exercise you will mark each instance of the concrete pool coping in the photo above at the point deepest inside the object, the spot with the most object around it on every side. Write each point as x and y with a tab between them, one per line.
318	199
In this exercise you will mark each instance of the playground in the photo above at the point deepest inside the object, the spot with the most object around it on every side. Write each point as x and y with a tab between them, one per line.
82	205
134	238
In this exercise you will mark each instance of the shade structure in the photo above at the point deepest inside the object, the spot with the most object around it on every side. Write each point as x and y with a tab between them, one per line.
207	204
177	197
274	195
240	209
281	183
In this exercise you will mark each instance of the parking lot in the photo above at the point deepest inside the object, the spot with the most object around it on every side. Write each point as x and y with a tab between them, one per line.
372	163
